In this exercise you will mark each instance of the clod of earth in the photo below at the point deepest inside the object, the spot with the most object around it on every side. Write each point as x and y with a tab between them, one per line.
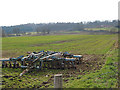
66	80
7	76
19	80
44	82
72	79
78	77
11	79
46	85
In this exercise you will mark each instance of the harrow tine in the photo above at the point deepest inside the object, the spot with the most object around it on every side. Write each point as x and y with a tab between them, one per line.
14	64
10	64
3	64
43	59
6	65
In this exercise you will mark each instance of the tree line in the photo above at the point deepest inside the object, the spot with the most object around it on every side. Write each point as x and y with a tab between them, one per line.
46	28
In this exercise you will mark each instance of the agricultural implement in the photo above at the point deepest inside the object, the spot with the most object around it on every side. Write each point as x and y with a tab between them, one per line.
42	60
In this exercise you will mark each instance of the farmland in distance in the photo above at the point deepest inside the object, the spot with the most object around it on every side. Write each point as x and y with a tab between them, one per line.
76	44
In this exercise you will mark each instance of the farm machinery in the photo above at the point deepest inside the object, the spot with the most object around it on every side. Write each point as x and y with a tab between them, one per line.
42	60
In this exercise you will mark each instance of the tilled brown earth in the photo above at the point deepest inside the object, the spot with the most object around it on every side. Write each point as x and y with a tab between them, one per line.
90	63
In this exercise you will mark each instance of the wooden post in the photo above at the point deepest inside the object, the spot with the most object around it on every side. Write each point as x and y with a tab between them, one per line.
58	81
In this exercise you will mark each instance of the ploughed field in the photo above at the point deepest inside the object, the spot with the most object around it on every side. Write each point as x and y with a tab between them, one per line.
97	70
76	44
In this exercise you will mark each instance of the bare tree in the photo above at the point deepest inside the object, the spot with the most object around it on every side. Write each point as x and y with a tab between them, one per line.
38	30
45	30
16	31
48	31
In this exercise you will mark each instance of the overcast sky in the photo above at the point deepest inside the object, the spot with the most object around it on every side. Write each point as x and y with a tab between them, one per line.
15	12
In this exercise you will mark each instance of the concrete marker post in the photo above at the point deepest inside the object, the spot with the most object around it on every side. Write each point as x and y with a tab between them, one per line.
58	81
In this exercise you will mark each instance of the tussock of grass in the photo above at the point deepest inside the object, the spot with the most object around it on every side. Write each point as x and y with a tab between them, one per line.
106	77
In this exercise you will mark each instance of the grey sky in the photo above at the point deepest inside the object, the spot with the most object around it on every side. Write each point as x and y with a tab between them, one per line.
15	12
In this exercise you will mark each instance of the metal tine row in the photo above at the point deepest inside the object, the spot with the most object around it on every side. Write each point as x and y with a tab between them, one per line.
42	60
11	64
43	56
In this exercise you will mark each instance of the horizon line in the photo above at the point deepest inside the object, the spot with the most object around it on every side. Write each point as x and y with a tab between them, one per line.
57	22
